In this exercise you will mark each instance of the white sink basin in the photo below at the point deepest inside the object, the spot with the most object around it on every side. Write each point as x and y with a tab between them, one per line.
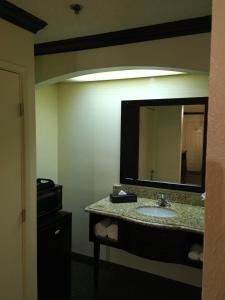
160	212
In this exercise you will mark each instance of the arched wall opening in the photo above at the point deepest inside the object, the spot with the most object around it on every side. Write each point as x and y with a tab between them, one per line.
78	124
190	52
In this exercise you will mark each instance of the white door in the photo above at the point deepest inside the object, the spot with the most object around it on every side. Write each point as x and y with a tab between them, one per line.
11	279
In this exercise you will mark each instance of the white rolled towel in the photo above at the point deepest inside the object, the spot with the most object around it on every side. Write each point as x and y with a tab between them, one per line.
195	251
193	255
112	232
201	256
101	227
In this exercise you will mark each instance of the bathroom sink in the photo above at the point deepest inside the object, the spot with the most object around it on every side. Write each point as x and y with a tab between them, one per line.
160	212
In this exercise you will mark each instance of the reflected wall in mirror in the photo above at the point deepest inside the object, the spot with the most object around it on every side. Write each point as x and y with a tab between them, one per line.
163	143
171	143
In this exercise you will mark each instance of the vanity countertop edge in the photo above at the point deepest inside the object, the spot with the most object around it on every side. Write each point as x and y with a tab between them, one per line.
189	217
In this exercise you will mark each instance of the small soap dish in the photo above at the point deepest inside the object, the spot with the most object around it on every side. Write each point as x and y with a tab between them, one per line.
124	198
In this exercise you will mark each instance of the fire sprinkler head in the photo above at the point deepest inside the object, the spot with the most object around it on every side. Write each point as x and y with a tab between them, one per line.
76	8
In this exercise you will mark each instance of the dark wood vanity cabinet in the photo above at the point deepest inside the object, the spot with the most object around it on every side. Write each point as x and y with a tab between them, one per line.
54	256
152	242
156	243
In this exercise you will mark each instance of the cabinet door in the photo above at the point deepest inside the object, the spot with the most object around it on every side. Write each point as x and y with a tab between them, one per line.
156	243
11	275
54	260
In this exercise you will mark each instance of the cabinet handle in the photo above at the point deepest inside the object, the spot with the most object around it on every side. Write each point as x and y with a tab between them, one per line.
57	231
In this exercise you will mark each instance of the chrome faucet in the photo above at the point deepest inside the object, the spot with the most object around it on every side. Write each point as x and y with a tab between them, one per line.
162	202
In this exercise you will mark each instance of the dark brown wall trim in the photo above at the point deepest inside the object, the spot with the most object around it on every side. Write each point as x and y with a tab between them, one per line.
20	17
141	34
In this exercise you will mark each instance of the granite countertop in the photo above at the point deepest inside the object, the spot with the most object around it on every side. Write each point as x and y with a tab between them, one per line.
188	218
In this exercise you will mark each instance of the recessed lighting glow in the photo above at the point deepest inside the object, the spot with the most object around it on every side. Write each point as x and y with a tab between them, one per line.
124	74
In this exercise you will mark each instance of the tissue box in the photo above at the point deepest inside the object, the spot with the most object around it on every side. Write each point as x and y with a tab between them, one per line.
129	197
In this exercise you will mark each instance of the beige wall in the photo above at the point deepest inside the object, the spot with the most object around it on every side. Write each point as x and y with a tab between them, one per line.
17	49
214	266
188	52
89	151
46	100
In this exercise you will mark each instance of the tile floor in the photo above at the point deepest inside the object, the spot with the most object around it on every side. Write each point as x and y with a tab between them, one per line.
120	283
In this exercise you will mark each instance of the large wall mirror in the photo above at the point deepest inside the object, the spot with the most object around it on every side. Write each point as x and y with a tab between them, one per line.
163	143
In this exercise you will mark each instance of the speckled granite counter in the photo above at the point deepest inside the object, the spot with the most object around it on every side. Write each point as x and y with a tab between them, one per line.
188	218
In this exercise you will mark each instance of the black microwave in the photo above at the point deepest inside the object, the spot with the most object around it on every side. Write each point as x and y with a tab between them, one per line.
49	197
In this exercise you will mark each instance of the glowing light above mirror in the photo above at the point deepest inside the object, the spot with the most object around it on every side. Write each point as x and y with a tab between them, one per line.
124	74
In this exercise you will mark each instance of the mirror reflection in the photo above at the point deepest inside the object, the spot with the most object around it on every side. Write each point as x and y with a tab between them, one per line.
171	143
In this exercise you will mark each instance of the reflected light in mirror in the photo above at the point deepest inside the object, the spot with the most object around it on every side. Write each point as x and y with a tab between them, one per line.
124	74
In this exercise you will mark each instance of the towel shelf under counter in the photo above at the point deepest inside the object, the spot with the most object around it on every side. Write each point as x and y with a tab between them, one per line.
119	243
169	245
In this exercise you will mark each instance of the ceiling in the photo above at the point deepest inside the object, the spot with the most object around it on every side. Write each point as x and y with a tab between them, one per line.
99	16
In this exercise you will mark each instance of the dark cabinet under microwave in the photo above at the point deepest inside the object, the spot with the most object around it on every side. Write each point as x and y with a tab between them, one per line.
54	256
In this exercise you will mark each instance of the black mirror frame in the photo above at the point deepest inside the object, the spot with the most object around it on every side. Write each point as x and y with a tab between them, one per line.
130	140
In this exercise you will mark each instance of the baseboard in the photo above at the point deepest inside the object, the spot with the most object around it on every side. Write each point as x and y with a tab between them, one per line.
90	261
82	258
